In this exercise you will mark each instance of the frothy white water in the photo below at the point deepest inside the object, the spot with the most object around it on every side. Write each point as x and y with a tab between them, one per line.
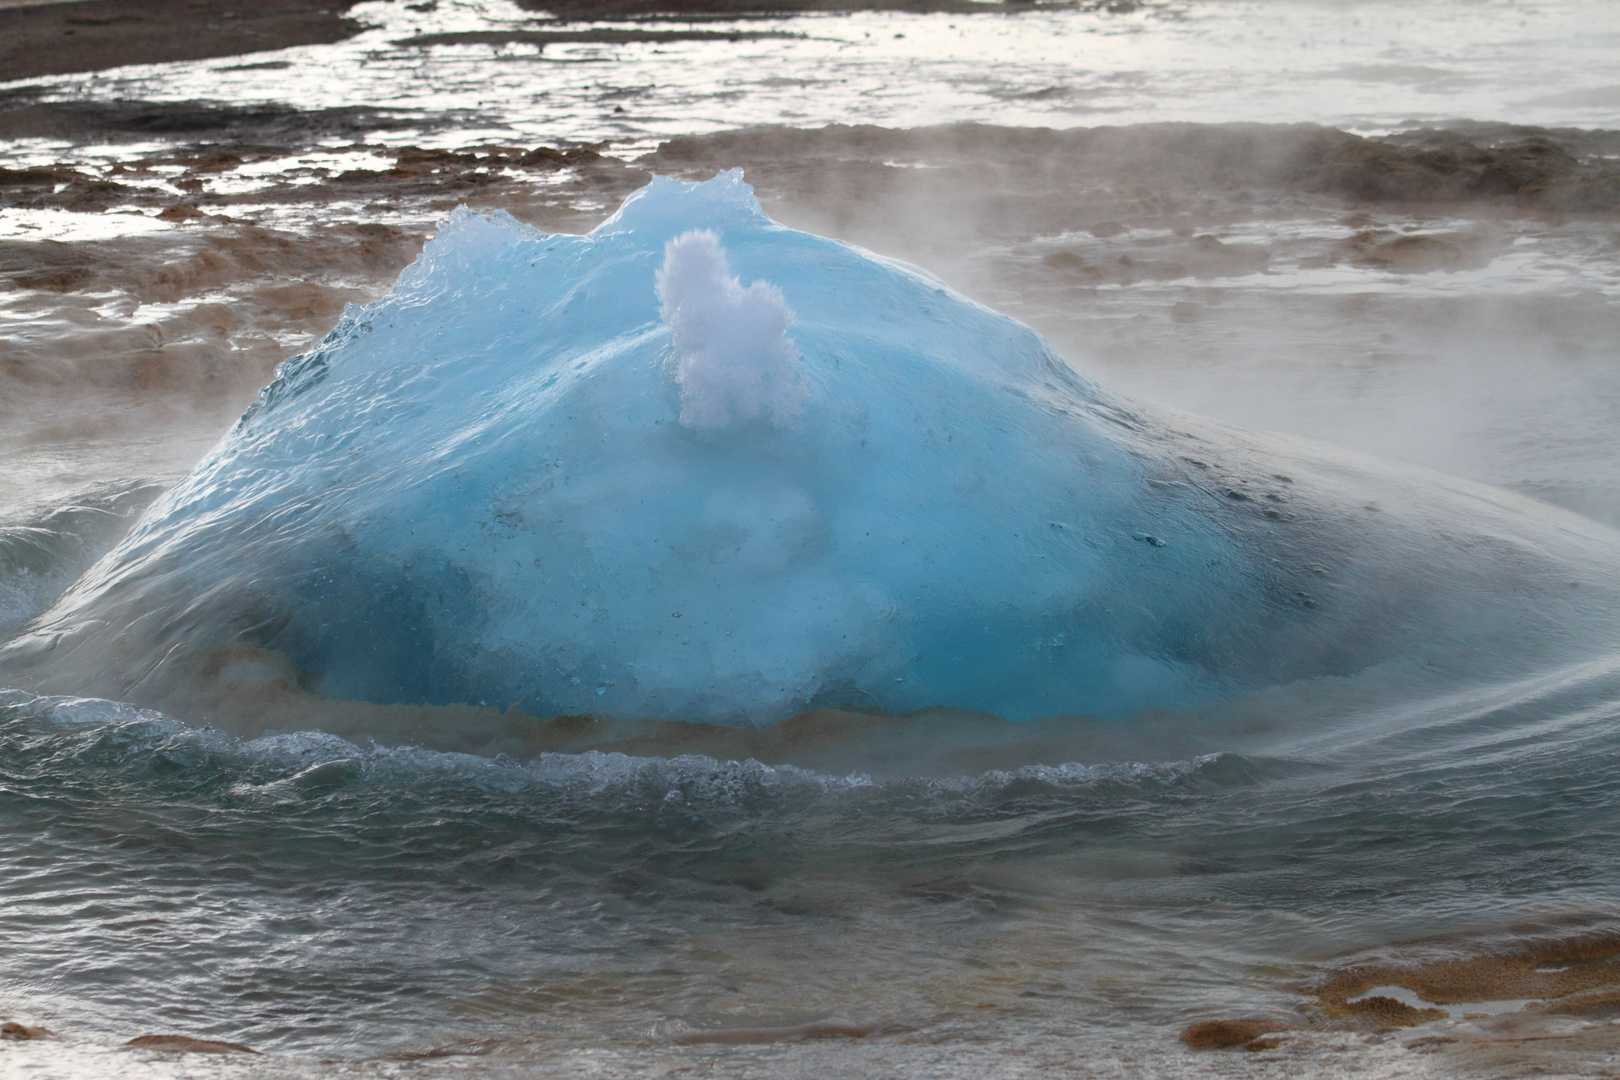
731	356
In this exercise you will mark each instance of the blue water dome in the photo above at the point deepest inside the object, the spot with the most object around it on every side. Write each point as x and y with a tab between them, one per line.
697	465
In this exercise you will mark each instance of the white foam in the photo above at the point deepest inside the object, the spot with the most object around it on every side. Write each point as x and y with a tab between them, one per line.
80	712
732	357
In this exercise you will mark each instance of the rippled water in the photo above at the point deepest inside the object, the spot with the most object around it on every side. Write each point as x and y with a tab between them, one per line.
1357	65
314	897
941	895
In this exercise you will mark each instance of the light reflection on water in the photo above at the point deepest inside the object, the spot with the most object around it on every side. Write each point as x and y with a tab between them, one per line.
67	226
1366	67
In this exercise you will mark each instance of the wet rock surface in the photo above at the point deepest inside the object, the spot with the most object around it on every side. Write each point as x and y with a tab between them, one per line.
542	38
1521	168
732	9
220	128
1537	1005
1233	1034
185	1044
1576	976
53	39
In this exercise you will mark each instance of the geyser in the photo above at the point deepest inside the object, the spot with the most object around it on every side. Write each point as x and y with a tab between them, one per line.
701	466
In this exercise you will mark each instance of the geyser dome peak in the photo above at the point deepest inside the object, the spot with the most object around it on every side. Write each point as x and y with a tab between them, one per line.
697	465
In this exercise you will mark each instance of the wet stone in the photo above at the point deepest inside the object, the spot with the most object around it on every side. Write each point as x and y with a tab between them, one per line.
1233	1034
185	1044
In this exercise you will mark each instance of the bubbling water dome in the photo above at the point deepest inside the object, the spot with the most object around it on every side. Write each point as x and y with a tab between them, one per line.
700	466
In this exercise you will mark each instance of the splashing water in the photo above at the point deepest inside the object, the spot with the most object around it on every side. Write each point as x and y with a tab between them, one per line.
732	357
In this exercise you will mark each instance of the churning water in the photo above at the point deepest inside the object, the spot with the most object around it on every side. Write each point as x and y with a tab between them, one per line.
702	646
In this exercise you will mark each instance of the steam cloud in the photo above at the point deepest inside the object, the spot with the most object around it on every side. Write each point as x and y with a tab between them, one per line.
733	359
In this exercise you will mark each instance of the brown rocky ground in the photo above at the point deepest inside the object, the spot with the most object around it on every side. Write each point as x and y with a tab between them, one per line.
1576	976
186	1044
1499	166
1571	982
91	35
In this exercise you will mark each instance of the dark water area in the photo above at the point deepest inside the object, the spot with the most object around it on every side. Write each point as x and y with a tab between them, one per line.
1362	229
308	895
